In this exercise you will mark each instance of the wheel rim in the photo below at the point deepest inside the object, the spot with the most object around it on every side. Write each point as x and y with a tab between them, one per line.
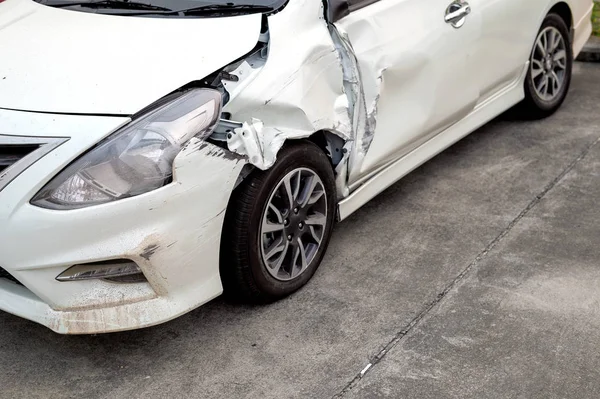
293	224
549	64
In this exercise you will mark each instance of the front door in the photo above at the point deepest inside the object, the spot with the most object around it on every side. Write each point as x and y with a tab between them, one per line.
414	58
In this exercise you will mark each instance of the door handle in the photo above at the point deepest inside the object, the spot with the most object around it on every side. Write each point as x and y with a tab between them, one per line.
457	12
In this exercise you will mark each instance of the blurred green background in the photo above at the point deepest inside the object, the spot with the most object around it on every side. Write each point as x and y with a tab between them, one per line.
596	18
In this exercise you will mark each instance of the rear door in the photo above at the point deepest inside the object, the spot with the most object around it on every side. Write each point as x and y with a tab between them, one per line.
415	60
508	32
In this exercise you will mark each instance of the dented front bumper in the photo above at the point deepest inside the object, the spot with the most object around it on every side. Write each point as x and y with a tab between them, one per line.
173	234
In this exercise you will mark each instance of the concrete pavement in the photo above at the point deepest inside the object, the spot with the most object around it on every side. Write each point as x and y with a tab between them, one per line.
475	276
525	322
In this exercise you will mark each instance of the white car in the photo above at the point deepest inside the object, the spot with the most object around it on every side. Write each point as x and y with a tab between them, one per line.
155	153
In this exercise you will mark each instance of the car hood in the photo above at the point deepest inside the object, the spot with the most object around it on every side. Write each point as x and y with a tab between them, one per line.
62	61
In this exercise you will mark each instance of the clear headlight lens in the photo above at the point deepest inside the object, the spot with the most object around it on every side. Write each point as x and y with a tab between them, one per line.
136	159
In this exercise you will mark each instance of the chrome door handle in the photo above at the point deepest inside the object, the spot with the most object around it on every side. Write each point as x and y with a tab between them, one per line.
457	12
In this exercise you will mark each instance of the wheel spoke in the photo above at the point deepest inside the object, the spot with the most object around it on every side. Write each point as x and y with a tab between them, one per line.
288	191
551	85
297	185
543	43
275	248
536	69
557	41
540	47
543	86
312	193
315	197
295	257
550	41
561	59
302	251
309	187
314	235
555	83
277	212
277	266
317	219
269	227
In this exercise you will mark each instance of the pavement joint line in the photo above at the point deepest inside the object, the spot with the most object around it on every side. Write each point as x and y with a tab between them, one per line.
421	315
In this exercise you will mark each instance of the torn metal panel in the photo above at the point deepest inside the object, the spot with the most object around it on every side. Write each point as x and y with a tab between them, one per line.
241	73
341	171
301	88
363	125
259	144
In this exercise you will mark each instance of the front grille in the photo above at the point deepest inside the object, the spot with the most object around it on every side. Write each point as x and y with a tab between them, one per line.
6	275
17	153
12	153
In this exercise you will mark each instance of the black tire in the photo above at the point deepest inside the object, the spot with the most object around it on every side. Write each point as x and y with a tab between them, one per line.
534	106
243	271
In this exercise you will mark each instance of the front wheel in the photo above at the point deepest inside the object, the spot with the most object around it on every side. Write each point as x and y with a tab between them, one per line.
278	225
551	65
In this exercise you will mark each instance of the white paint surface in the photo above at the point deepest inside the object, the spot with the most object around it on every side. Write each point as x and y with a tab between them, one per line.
417	87
57	60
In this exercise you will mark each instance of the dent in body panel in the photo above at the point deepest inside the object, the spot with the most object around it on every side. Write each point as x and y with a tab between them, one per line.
164	238
309	83
409	71
312	81
363	124
383	74
377	77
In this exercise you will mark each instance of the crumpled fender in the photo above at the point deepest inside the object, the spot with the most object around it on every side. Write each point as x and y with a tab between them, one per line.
309	83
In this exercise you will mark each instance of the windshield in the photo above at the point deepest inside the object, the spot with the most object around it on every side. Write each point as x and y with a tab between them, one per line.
169	8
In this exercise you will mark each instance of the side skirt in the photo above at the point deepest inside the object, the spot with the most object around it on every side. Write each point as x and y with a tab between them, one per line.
482	114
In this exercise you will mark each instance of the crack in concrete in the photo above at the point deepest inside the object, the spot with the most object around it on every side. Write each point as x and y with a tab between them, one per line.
428	307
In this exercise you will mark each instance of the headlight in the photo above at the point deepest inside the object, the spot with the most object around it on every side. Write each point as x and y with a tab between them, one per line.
137	158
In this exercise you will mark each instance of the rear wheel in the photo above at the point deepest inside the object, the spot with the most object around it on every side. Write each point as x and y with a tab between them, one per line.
278	225
549	75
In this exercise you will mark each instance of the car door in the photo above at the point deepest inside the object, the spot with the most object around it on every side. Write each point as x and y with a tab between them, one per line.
414	58
508	32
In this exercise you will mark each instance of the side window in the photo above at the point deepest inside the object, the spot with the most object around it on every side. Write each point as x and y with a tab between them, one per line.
338	9
358	4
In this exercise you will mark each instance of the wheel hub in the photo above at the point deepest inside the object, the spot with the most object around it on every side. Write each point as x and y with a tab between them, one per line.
295	223
548	63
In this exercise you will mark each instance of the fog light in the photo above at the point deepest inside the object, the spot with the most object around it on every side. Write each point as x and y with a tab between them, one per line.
115	270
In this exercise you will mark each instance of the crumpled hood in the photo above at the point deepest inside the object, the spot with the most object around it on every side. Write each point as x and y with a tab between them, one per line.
57	60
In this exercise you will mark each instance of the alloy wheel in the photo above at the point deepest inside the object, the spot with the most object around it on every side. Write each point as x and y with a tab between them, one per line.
549	64
293	224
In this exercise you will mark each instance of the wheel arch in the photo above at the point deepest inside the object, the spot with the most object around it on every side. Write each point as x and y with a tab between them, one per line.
337	151
238	257
331	144
563	10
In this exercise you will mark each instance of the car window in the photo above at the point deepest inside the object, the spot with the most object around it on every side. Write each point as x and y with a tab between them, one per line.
358	4
169	8
338	9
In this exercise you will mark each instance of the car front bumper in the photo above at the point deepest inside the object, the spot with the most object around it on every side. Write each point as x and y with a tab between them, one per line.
173	234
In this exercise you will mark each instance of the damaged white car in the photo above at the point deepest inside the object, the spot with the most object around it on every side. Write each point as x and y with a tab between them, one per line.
155	153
